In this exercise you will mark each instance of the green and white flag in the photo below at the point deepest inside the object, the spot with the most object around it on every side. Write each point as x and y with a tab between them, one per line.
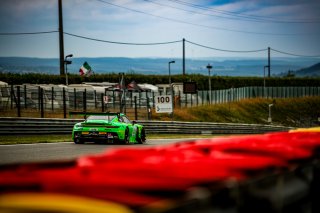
85	69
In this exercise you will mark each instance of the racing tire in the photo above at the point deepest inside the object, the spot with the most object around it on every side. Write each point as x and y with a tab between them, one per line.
126	137
142	138
78	141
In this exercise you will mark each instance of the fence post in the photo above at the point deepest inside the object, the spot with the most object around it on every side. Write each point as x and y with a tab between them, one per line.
52	97
11	96
102	103
148	109
114	99
105	94
153	101
135	108
25	96
74	98
120	103
39	97
18	102
41	103
131	103
64	103
125	102
95	99
84	101
202	97
146	95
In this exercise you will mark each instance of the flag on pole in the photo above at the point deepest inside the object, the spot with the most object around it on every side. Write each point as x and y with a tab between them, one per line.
85	69
122	85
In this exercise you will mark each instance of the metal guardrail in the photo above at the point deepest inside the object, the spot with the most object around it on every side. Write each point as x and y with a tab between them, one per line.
177	127
33	126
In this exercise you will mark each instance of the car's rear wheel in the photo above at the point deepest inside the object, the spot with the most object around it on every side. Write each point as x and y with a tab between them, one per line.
78	141
126	137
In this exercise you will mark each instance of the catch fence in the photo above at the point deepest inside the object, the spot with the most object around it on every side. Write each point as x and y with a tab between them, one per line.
62	98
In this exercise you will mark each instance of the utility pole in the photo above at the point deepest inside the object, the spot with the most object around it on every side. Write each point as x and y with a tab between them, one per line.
209	67
171	89
183	57
269	62
61	45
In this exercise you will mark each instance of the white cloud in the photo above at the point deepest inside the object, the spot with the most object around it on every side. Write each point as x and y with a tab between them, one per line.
100	20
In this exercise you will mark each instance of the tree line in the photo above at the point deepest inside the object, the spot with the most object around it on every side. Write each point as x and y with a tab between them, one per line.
217	82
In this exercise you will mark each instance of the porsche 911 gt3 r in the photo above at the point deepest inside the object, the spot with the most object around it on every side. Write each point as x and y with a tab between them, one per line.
108	128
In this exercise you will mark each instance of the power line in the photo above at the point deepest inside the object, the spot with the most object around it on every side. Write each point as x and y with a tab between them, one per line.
293	54
246	16
162	43
123	43
197	44
190	11
252	51
201	25
237	17
30	33
223	50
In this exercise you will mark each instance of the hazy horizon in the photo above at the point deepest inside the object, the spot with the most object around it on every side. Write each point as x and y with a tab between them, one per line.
224	66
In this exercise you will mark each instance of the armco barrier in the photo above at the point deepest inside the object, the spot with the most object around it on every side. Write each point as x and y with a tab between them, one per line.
177	127
29	126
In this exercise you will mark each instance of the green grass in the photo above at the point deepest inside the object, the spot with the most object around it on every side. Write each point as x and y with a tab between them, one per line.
27	139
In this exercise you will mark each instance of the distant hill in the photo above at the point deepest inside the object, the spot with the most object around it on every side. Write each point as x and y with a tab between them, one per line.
313	71
158	66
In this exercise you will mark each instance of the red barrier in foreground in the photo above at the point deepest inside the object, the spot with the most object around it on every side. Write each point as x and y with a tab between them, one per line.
140	177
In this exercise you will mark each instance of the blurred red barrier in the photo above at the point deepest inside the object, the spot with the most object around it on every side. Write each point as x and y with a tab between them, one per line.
128	175
284	145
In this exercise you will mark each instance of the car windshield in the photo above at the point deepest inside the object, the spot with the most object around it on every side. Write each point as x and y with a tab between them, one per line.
101	117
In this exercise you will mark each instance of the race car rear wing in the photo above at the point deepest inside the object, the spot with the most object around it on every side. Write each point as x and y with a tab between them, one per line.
85	114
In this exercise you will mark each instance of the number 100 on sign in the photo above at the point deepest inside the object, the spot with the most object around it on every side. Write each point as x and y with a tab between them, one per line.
163	104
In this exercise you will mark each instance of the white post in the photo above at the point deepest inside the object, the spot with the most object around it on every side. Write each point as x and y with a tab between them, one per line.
270	118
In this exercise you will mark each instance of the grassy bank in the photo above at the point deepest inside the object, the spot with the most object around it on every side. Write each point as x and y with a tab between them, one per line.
295	112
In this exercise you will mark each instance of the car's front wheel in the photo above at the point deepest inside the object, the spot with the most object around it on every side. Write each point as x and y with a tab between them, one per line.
142	138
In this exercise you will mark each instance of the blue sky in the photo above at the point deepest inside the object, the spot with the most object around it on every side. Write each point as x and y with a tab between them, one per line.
291	26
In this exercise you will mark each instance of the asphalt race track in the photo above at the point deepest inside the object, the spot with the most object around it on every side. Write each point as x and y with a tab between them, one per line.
42	152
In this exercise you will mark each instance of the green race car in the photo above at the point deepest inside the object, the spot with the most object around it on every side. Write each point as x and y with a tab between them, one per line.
108	128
